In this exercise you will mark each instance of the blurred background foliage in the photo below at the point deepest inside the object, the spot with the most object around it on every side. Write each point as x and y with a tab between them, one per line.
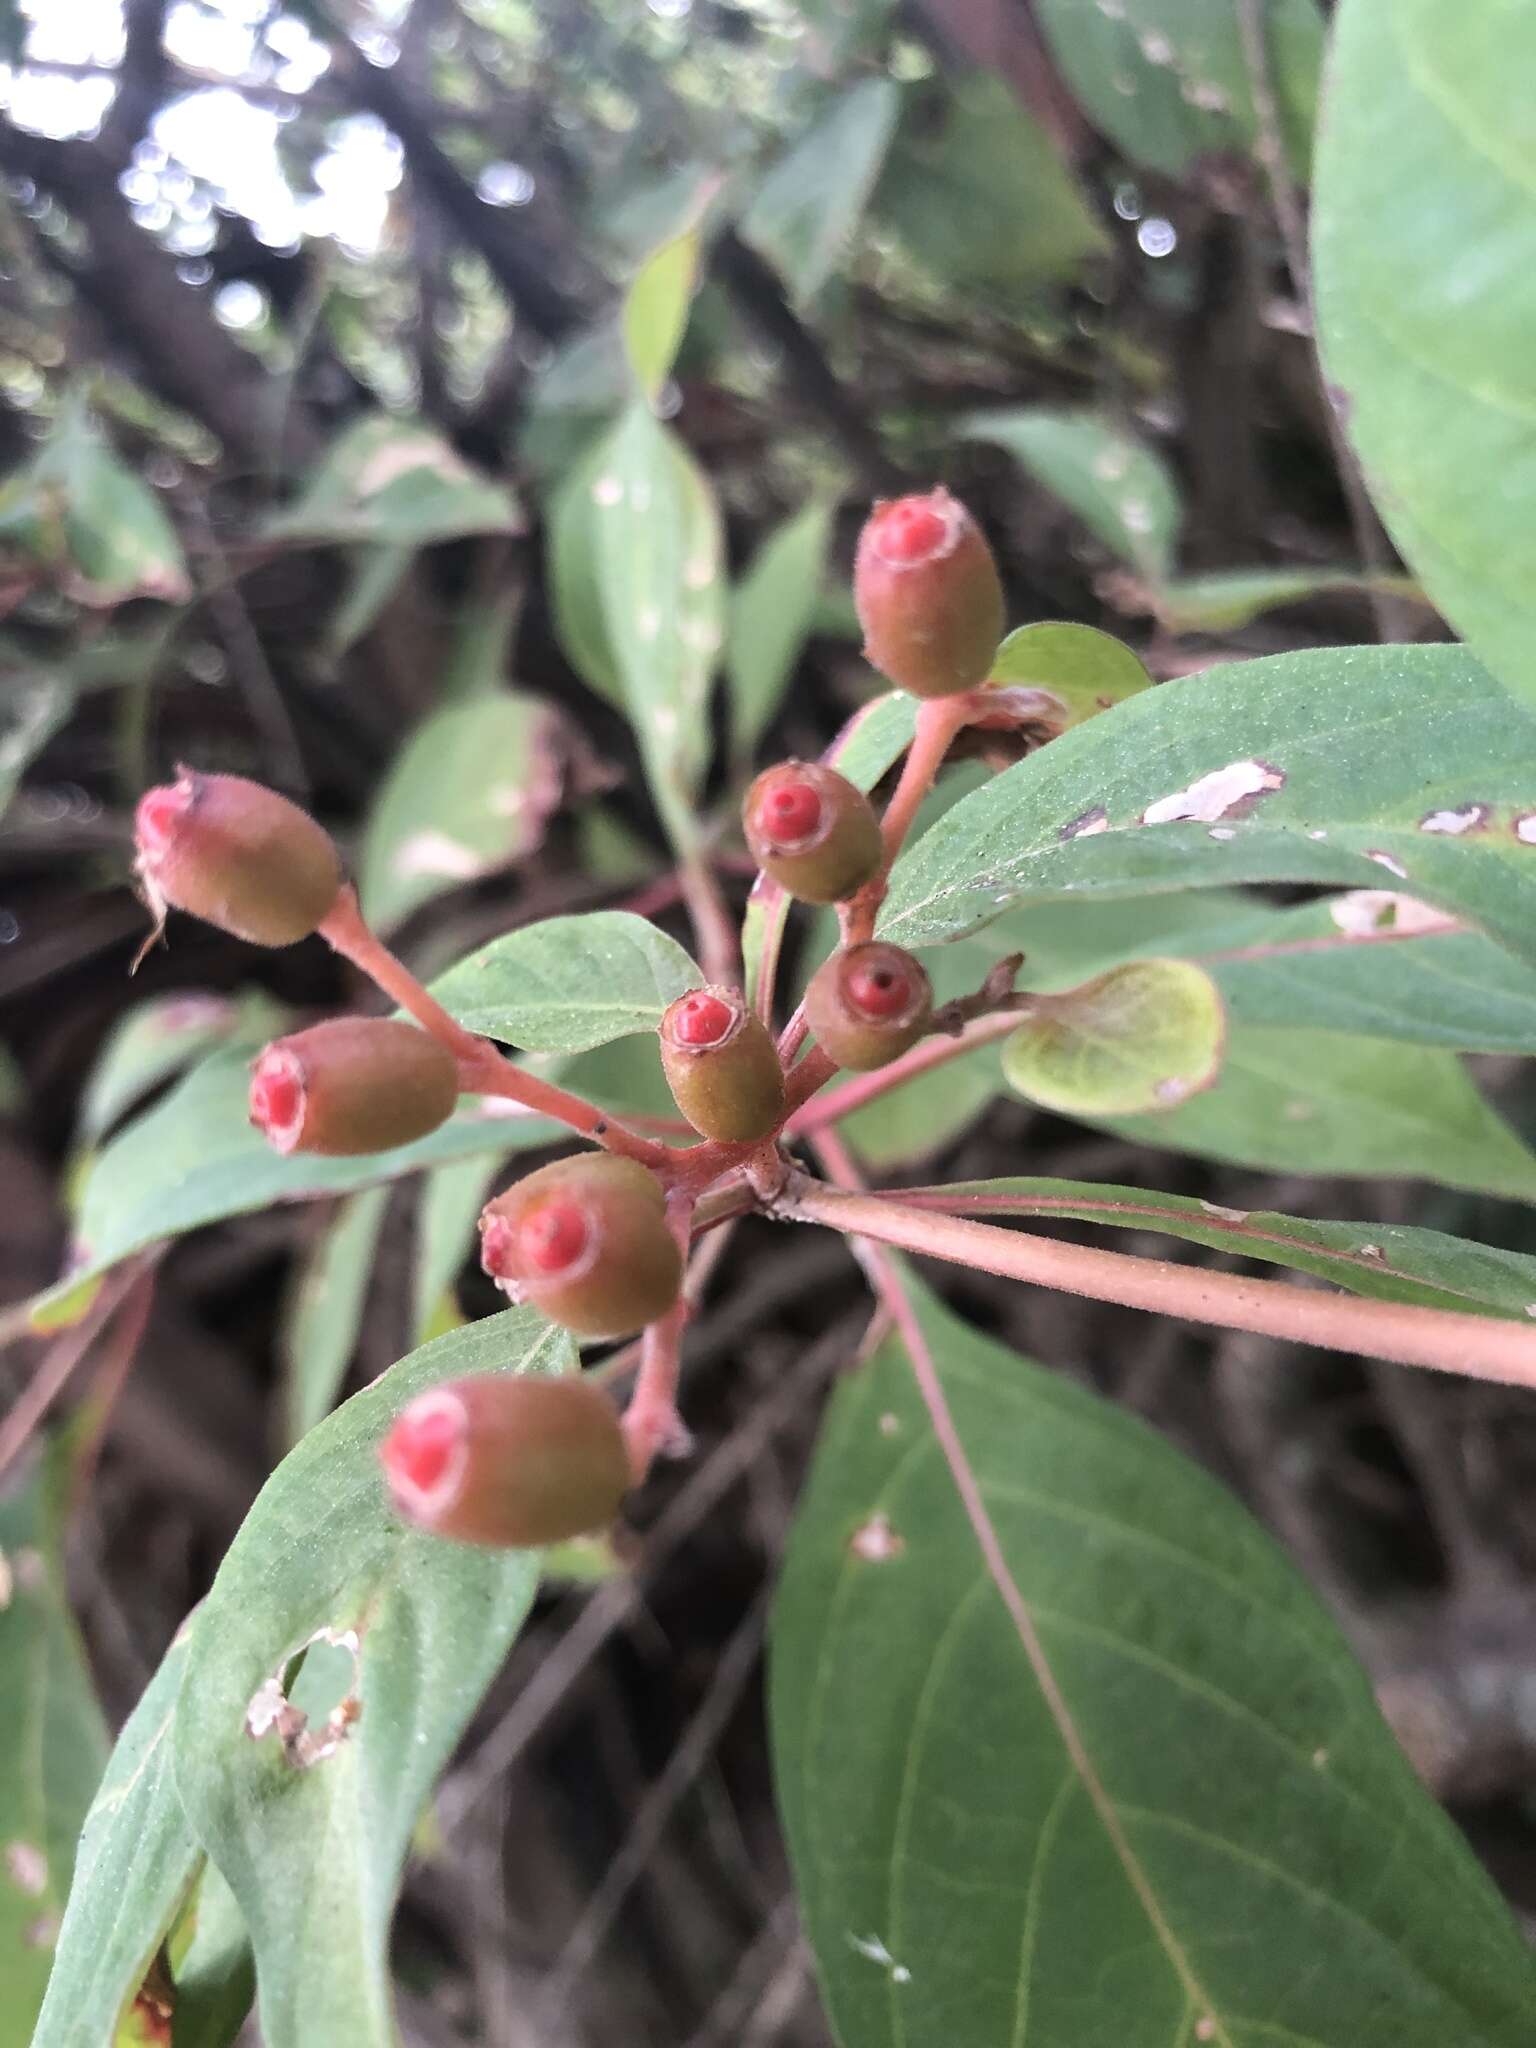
458	414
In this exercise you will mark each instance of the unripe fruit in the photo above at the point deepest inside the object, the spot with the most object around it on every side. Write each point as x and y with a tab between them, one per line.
586	1241
507	1461
240	856
812	831
866	1004
722	1066
928	595
352	1084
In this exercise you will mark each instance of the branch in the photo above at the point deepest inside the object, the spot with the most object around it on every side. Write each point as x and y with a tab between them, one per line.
1478	1347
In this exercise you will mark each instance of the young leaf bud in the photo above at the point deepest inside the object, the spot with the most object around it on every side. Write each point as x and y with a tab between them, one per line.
586	1241
722	1066
866	1004
927	594
239	856
507	1461
352	1084
812	831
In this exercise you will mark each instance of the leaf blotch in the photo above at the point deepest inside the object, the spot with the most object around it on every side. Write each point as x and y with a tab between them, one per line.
27	1867
272	1712
875	1541
1468	818
1096	820
1229	792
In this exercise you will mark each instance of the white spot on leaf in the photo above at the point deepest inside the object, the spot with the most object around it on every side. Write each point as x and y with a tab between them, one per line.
1157	49
1366	913
874	1948
1226	1215
1468	819
876	1541
1084	827
1525	829
1222	832
607	491
890	1425
1387	861
1216	795
27	1867
434	853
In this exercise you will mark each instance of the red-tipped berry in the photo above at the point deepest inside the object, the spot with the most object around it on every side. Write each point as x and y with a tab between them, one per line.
586	1241
506	1461
722	1066
928	595
812	831
237	855
352	1084
866	1004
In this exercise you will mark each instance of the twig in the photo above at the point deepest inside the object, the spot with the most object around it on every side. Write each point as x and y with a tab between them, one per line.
1476	1346
938	721
713	927
922	1059
57	1366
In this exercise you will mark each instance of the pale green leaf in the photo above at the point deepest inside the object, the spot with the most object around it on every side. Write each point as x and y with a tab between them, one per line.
1088	670
569	982
1168	82
808	207
32	709
1273	1873
1229	598
398	482
1333	765
470	792
771	611
1141	1039
118	541
321	1327
417	1626
156	1040
1425	249
656	309
1119	487
451	1198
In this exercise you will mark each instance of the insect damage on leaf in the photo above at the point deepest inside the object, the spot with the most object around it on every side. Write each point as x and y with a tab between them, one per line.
876	1541
1225	793
272	1711
1469	818
1385	913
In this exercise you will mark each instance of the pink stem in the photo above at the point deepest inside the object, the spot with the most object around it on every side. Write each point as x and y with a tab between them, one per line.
651	1421
1477	1346
932	1052
714	929
938	720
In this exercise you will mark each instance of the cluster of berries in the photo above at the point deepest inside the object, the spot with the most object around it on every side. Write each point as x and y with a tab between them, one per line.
587	1240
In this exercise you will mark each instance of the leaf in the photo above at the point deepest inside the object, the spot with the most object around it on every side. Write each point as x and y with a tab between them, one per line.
569	982
32	709
1332	765
156	1040
397	482
1294	1101
54	1746
137	1858
1088	670
215	1983
194	1159
1387	1261
451	1198
470	792
1167	80
983	199
1230	598
1144	1037
118	542
771	612
419	1627
925	1114
1122	491
809	204
640	598
1275	1874
321	1328
1425	250
656	309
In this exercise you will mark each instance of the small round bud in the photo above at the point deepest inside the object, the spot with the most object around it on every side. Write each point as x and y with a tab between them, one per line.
722	1066
866	1004
237	855
352	1084
586	1241
507	1461
928	595
812	831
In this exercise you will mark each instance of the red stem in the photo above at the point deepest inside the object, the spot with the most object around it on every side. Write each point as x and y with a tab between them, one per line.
651	1421
932	1052
938	720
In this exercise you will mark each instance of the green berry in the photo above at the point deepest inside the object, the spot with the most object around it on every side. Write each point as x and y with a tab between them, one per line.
927	593
866	1004
812	830
722	1066
352	1084
585	1240
236	855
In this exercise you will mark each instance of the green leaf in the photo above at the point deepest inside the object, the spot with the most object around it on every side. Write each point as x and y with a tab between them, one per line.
321	1327
1120	488
656	309
639	598
771	612
117	539
1273	1872
1088	670
1167	80
468	793
451	1198
983	199
136	1859
398	482
54	1746
32	709
194	1159
808	207
1315	1102
1331	765
215	1982
418	1626
569	982
1144	1037
1387	1261
156	1040
1425	246
1229	598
